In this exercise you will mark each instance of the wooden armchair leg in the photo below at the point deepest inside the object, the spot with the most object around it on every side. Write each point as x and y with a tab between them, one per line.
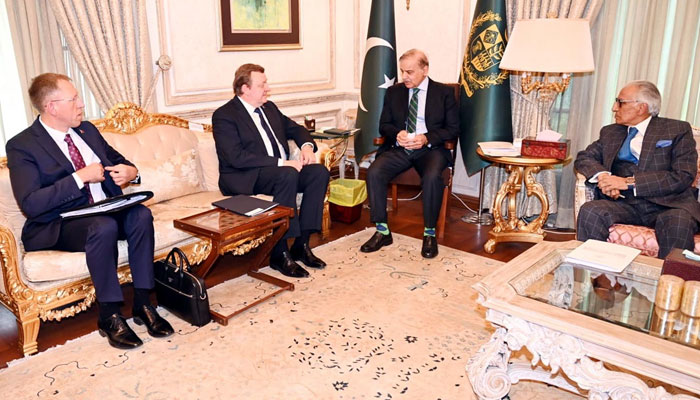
394	196
442	217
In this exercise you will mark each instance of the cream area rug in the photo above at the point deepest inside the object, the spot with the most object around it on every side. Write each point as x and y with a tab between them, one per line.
385	325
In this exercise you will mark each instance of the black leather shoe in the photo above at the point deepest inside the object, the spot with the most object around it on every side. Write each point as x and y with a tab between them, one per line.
157	326
376	242
286	265
304	254
430	247
118	332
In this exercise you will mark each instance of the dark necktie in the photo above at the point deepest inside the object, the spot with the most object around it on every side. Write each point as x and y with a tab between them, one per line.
626	151
78	162
412	112
273	141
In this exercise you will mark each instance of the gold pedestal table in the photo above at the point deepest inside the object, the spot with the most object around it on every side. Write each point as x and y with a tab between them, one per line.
511	228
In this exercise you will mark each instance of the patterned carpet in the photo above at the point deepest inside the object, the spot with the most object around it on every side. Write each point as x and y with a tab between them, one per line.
386	325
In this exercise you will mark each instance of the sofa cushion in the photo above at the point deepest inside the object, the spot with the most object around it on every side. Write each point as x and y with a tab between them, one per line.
9	208
157	142
49	265
176	176
641	238
209	161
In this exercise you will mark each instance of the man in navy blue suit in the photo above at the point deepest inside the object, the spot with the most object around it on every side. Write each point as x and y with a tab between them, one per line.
251	136
418	117
61	162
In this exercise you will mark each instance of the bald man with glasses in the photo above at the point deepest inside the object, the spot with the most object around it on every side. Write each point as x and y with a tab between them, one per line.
643	168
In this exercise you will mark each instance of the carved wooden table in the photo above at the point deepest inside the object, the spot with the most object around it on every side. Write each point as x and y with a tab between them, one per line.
582	337
235	233
512	228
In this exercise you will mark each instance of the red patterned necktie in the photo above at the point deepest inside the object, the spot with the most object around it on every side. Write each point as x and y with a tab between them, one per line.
78	162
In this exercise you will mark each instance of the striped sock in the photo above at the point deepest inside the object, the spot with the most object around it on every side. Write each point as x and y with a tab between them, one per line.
429	232
383	228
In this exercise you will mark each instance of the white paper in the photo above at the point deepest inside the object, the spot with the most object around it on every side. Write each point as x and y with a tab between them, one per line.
196	127
499	149
603	256
689	254
548	135
100	208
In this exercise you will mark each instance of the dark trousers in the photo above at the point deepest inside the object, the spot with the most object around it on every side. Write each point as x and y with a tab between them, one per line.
428	162
97	236
283	184
674	227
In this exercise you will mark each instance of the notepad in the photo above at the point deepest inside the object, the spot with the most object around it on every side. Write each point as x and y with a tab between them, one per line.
603	256
245	205
109	205
499	149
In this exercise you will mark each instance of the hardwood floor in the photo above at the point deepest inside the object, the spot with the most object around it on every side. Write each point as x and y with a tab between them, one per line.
407	221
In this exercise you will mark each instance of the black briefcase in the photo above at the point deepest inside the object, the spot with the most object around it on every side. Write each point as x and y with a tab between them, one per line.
180	291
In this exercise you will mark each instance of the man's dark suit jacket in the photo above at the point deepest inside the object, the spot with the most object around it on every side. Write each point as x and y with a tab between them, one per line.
441	116
240	148
42	181
667	165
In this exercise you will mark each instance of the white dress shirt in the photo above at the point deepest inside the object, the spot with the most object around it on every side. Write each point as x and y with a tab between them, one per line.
263	134
86	152
638	139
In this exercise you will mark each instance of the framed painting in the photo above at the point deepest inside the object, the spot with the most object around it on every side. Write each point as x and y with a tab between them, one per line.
259	24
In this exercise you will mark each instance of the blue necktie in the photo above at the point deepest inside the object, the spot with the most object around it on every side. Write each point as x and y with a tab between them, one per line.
625	151
273	141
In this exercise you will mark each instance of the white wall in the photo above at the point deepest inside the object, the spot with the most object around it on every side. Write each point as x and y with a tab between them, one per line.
320	79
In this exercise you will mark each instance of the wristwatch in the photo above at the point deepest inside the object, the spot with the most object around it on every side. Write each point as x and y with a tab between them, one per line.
630	182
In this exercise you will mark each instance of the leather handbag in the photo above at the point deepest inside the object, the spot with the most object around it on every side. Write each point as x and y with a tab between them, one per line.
180	291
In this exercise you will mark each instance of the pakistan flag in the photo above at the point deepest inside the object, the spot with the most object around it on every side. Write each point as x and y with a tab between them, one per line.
378	73
485	113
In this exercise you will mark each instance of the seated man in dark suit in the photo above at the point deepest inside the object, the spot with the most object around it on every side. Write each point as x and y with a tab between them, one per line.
251	142
644	167
62	162
415	125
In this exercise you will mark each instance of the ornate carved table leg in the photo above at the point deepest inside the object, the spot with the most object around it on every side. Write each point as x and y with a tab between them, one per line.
491	375
488	368
513	229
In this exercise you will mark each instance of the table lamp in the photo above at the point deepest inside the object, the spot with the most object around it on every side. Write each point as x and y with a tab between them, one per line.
552	47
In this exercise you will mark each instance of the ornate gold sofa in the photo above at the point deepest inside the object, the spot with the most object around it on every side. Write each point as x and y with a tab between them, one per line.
639	237
177	161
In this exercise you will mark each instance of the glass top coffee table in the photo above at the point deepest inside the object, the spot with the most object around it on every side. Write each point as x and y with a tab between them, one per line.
601	330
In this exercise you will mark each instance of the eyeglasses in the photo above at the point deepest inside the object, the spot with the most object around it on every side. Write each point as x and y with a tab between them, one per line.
73	100
620	101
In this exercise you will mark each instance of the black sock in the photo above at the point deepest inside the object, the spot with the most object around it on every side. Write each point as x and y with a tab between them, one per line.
108	308
142	297
303	239
279	248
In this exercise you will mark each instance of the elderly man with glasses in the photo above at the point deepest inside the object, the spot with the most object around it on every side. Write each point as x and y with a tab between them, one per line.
643	167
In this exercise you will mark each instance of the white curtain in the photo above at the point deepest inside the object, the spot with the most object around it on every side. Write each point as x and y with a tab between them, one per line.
654	40
524	107
37	43
109	41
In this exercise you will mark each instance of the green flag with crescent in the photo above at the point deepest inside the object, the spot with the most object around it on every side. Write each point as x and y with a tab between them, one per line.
378	73
485	113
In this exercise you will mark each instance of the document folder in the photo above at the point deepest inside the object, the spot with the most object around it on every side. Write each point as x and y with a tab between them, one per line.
245	205
109	205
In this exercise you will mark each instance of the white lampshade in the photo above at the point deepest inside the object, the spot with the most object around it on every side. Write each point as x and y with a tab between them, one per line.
555	45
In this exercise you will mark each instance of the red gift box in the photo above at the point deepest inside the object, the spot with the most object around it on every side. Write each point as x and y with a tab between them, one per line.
677	264
543	149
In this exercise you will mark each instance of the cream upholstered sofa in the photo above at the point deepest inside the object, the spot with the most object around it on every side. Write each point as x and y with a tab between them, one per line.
639	237
177	162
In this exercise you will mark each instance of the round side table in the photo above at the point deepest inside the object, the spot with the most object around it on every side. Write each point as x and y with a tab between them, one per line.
512	228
